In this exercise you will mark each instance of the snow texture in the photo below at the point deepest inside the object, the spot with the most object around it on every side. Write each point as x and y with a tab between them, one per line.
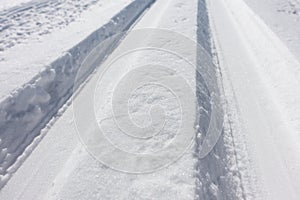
261	79
26	111
6	4
283	17
217	174
38	18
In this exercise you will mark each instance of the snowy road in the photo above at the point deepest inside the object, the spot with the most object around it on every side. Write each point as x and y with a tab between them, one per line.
157	75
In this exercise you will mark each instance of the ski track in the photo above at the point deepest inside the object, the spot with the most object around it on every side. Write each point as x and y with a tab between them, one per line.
37	18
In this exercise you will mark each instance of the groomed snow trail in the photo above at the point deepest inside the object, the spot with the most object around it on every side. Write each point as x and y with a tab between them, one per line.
260	78
257	155
67	171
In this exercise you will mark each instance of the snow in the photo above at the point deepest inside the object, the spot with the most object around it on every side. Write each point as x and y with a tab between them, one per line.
6	4
175	181
37	19
218	173
33	105
37	52
149	104
283	17
87	178
261	72
83	177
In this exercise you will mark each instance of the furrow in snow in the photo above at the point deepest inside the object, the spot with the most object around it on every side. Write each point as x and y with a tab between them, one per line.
218	174
88	178
30	108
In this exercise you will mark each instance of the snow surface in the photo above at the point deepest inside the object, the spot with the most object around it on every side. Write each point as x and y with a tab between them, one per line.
255	76
83	177
6	4
260	75
283	17
77	175
38	18
37	52
33	105
219	174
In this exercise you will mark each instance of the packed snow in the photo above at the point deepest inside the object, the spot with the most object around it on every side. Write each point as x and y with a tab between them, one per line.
28	109
149	99
261	75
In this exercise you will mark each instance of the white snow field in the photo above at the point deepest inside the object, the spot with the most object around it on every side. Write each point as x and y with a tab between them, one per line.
149	99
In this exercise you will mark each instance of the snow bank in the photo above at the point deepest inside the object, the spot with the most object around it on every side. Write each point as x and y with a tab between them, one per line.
26	111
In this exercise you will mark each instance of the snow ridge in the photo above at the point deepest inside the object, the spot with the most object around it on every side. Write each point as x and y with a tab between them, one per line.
27	110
